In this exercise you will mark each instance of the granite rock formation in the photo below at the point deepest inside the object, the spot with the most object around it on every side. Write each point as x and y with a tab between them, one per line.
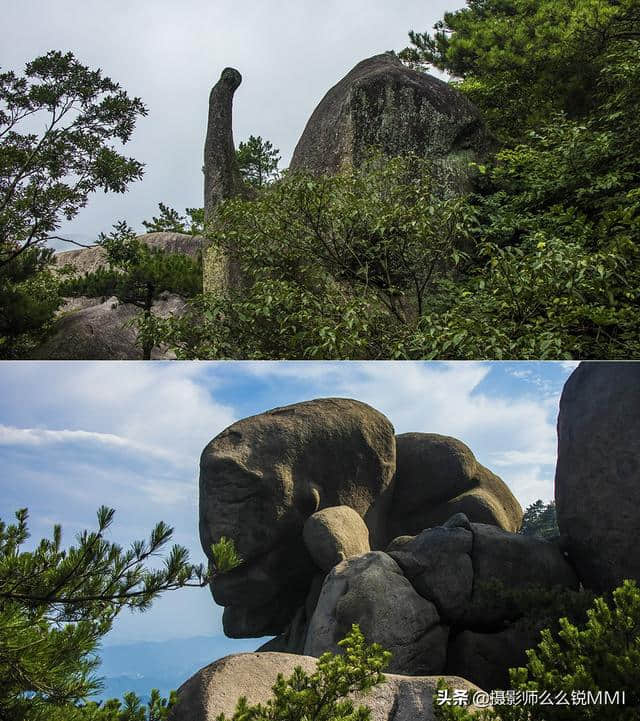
307	491
222	177
437	477
100	329
88	260
261	479
385	104
334	534
598	472
216	688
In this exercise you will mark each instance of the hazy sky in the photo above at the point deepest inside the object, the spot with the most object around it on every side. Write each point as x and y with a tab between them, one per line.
171	53
74	436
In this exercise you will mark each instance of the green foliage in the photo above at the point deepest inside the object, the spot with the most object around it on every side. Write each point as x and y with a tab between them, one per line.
47	176
129	709
540	520
28	300
602	654
171	221
320	696
335	266
522	60
258	161
56	604
224	555
558	237
138	274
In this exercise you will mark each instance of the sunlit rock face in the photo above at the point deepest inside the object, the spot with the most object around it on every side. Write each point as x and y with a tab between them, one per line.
438	476
260	480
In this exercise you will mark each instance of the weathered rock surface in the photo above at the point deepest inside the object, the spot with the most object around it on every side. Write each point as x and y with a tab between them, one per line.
222	177
485	658
97	329
470	573
216	688
438	564
511	562
335	534
598	472
437	477
261	479
372	591
88	260
383	103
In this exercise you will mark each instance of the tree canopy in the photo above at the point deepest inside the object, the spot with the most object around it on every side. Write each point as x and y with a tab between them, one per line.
48	176
56	604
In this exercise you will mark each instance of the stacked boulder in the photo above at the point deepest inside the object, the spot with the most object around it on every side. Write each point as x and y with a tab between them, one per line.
339	522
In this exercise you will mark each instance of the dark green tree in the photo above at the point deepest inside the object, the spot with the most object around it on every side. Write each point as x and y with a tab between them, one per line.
258	161
28	300
540	520
522	61
47	176
139	274
57	604
170	220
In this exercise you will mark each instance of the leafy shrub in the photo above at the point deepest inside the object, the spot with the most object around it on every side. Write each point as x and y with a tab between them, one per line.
602	654
320	696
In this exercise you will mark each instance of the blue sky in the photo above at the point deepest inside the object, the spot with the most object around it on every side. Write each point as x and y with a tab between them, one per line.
74	436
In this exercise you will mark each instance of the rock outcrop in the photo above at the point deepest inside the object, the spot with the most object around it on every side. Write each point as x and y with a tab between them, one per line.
261	479
222	177
310	494
383	103
88	260
335	534
101	329
438	476
216	688
372	591
597	485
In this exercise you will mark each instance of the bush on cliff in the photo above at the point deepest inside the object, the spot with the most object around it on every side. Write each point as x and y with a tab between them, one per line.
601	655
321	696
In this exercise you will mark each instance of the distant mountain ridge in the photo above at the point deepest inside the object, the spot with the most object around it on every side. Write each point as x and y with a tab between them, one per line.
165	665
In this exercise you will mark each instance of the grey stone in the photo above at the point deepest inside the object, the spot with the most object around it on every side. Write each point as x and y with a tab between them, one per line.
598	472
437	477
222	177
438	564
485	658
216	688
510	561
88	260
335	534
100	329
261	479
383	103
372	591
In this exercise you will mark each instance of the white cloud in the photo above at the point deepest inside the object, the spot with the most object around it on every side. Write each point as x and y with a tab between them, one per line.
168	407
516	433
12	436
